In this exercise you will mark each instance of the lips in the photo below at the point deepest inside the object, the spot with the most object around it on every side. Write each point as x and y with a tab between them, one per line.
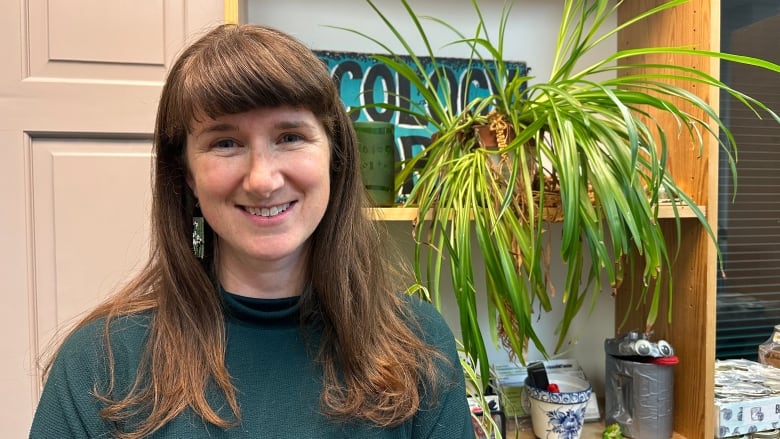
267	212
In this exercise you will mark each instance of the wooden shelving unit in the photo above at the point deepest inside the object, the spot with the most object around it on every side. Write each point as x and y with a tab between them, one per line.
692	327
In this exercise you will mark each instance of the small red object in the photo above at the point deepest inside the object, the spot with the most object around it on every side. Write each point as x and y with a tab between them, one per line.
666	361
552	387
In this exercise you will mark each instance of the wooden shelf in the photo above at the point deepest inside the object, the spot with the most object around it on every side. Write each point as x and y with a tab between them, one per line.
410	213
523	430
591	430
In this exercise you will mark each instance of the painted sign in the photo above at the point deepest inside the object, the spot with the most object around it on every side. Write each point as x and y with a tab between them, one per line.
364	81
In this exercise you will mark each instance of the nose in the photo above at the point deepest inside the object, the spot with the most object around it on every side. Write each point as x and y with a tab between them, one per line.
264	175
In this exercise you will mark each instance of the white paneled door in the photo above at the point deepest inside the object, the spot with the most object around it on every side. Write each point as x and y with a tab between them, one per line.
79	82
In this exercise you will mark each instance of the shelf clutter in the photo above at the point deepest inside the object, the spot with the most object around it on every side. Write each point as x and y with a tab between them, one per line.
515	409
511	380
747	398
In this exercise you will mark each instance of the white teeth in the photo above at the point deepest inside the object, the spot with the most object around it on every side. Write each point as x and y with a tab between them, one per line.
267	212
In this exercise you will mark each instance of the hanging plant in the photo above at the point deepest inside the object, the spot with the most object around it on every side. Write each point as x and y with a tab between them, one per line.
578	147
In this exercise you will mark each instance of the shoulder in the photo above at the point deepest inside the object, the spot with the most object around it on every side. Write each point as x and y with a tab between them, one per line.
444	413
69	405
421	308
120	330
430	326
86	348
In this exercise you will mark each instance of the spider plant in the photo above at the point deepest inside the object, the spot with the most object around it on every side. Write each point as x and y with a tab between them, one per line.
589	130
475	389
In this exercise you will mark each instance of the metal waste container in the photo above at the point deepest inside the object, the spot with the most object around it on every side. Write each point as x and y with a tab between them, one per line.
639	386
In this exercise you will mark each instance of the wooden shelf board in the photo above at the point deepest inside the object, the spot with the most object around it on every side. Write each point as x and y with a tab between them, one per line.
410	213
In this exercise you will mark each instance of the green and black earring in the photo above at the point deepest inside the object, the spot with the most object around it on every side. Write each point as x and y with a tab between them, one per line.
198	232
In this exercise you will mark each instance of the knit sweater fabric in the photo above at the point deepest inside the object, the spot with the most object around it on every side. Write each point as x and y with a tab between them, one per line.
278	383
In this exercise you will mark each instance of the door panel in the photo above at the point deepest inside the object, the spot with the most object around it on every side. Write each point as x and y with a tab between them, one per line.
142	23
79	82
91	203
81	43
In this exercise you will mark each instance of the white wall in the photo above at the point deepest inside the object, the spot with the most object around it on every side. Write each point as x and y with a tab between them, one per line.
534	27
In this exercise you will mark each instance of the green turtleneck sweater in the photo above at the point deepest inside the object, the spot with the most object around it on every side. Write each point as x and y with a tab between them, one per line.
278	382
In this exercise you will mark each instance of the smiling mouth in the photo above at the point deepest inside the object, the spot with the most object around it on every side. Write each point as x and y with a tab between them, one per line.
267	211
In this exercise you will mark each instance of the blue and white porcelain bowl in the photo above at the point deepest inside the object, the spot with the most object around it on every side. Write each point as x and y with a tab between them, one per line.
559	415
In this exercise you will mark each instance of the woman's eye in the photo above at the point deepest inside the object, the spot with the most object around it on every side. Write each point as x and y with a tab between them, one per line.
225	144
290	138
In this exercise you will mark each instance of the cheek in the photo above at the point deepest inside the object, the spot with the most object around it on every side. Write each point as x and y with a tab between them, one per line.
316	173
212	181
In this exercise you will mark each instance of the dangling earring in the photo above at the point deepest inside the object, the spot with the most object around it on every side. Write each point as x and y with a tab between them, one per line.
198	232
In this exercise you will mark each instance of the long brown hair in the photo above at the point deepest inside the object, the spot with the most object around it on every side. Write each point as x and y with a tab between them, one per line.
372	360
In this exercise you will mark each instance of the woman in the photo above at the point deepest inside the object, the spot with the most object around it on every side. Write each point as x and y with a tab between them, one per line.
288	325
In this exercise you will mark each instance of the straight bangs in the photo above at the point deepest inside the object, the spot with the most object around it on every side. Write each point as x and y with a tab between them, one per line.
240	69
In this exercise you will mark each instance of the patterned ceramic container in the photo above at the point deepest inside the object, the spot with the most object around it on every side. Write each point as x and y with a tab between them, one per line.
559	415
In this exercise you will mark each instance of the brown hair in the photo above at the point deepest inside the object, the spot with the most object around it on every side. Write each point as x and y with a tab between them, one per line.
373	362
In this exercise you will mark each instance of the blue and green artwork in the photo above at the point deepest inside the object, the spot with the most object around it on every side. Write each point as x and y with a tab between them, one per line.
364	81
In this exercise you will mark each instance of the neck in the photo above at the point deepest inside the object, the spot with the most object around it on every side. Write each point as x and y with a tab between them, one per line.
266	280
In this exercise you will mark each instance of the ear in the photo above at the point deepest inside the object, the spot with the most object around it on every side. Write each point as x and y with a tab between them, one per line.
188	174
191	183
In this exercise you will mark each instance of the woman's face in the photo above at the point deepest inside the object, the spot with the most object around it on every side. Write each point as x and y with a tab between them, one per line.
262	181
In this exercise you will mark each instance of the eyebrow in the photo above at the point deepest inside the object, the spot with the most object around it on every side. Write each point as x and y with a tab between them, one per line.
222	127
216	128
293	124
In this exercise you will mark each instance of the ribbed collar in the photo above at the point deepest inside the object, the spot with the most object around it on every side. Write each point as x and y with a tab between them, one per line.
282	312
